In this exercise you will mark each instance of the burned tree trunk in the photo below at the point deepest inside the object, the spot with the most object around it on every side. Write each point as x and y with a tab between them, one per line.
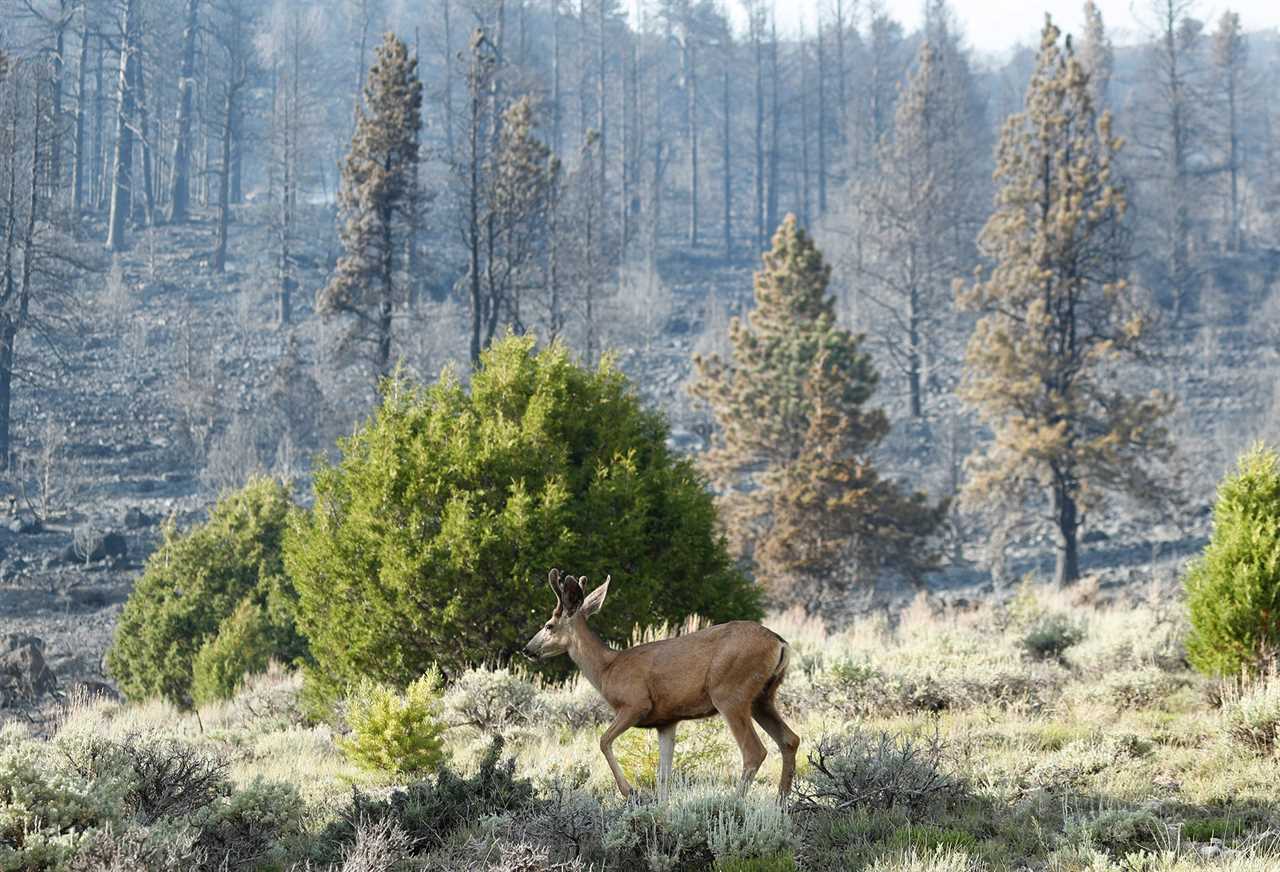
180	178
122	161
79	161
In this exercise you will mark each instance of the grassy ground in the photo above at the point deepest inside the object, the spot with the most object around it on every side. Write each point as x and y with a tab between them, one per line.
1044	734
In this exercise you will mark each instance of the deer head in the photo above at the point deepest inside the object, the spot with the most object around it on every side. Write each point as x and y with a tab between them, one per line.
558	633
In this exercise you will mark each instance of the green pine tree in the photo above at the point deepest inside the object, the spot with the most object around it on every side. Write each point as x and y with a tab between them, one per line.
792	459
430	540
190	592
1233	590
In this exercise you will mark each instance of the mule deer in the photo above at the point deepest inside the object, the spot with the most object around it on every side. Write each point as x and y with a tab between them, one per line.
732	669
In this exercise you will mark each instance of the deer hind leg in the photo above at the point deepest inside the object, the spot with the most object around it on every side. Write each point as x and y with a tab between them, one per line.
753	752
666	754
622	721
766	715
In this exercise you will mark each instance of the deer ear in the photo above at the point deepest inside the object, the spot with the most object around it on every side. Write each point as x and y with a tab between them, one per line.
570	594
595	600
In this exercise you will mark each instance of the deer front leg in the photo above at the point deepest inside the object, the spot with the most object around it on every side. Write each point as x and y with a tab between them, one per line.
623	720
666	753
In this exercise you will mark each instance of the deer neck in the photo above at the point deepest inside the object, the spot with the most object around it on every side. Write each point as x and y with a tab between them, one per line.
589	653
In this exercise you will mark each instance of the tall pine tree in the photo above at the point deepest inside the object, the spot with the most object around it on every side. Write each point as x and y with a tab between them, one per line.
1097	54
915	219
1234	87
793	458
1057	315
376	202
521	192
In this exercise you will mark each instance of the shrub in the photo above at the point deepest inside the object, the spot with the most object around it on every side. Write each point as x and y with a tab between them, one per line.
1212	828
1126	638
268	701
1122	831
92	804
704	747
194	582
695	827
133	848
881	771
242	645
926	837
931	668
845	839
380	846
45	812
574	705
430	811
157	778
397	733
1050	636
1252	717
938	860
459	501
248	829
1028	686
491	700
1139	687
782	862
1233	590
494	788
500	855
1024	609
569	818
523	857
756	830
1073	768
857	689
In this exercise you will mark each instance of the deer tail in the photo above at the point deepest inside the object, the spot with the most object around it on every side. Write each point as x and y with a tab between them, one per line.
784	662
780	671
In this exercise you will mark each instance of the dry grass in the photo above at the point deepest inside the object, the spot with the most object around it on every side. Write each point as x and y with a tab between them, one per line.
1065	764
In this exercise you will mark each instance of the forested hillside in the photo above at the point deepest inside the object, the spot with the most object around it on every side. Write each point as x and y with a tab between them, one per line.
224	220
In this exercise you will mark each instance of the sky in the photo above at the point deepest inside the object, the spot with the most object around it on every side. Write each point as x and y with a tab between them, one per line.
993	26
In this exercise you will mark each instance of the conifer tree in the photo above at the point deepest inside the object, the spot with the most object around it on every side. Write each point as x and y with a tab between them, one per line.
584	249
1233	588
915	219
376	200
795	438
41	262
1057	316
1097	53
1234	87
835	521
506	181
1170	134
520	195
